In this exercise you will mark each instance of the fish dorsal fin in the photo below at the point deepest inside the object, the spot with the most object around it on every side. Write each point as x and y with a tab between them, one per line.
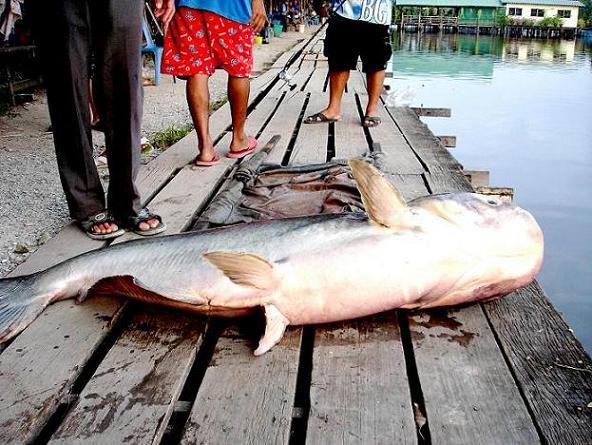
382	201
245	269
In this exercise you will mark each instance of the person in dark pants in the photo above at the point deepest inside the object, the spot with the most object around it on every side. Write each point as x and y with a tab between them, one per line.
358	28
67	32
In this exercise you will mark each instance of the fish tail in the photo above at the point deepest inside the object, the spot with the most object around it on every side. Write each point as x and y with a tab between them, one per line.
21	301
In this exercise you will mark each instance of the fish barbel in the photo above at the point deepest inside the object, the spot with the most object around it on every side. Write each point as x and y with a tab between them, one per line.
433	251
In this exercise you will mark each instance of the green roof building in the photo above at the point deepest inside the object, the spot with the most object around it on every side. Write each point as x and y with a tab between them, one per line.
484	13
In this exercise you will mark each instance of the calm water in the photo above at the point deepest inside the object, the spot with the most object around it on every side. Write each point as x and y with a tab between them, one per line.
523	111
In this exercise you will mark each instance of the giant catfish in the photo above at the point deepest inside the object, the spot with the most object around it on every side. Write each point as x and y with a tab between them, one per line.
433	251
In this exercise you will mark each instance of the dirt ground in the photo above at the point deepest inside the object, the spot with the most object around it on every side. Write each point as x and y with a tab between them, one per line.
32	204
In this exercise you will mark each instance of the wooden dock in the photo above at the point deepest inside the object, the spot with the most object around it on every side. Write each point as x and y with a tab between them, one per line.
110	372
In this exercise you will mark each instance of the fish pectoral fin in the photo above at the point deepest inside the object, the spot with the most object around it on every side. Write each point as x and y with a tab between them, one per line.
244	269
383	202
275	326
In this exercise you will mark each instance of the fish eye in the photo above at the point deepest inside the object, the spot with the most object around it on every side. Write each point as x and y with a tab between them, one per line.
492	202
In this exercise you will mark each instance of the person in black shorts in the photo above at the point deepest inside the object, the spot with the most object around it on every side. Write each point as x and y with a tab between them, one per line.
356	31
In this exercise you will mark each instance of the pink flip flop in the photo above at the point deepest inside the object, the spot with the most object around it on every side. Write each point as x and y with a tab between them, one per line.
209	163
245	152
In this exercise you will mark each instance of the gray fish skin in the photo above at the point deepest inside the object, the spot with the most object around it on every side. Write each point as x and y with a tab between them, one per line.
434	251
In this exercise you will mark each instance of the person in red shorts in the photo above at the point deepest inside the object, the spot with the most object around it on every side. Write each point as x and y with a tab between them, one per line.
202	36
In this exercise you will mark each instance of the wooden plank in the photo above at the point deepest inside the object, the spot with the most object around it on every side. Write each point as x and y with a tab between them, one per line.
263	80
359	391
469	393
283	59
447	141
350	140
38	369
434	156
357	82
477	178
243	398
399	157
455	181
317	82
432	112
410	186
311	141
299	78
552	368
283	123
504	193
130	396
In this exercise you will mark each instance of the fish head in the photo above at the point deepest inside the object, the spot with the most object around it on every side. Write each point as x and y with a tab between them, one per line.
503	237
487	247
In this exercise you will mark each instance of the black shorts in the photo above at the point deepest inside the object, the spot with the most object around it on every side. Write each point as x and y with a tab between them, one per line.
346	40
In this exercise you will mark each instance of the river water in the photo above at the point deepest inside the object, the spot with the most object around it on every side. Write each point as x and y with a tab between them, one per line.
521	109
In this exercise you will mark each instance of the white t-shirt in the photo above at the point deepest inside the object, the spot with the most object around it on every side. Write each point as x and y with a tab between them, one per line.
373	11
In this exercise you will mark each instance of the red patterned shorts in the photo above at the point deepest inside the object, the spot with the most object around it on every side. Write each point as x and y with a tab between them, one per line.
197	42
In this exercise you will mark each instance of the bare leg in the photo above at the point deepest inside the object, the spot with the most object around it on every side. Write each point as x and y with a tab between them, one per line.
375	83
198	98
238	95
337	82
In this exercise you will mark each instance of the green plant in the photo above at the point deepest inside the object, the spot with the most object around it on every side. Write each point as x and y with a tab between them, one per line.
502	20
550	22
166	138
217	104
581	23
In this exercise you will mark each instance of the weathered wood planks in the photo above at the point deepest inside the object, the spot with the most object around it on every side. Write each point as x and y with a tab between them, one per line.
552	369
317	82
359	391
434	156
349	138
357	82
432	112
469	393
311	141
243	398
283	123
399	156
129	398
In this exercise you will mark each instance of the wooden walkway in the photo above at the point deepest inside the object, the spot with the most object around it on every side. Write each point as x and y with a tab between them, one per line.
110	372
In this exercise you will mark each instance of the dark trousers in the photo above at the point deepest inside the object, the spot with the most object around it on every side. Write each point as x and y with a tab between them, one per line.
67	33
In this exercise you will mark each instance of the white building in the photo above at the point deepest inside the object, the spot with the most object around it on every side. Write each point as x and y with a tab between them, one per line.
539	9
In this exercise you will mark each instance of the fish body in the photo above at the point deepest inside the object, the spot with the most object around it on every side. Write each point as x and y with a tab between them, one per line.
434	251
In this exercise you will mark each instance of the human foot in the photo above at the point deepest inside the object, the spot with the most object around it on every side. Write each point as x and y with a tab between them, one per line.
248	146
371	121
146	223
207	155
325	116
101	226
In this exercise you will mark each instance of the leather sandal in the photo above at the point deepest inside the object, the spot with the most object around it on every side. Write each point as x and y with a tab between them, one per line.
100	218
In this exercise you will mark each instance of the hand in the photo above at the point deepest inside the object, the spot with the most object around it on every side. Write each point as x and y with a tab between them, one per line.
164	11
258	18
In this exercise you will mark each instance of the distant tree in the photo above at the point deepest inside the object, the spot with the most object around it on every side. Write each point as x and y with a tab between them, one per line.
586	12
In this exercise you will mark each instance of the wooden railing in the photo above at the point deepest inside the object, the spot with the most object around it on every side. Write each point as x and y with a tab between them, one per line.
429	20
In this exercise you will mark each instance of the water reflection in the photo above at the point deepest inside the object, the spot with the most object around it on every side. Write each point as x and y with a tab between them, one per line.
522	110
562	51
453	55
